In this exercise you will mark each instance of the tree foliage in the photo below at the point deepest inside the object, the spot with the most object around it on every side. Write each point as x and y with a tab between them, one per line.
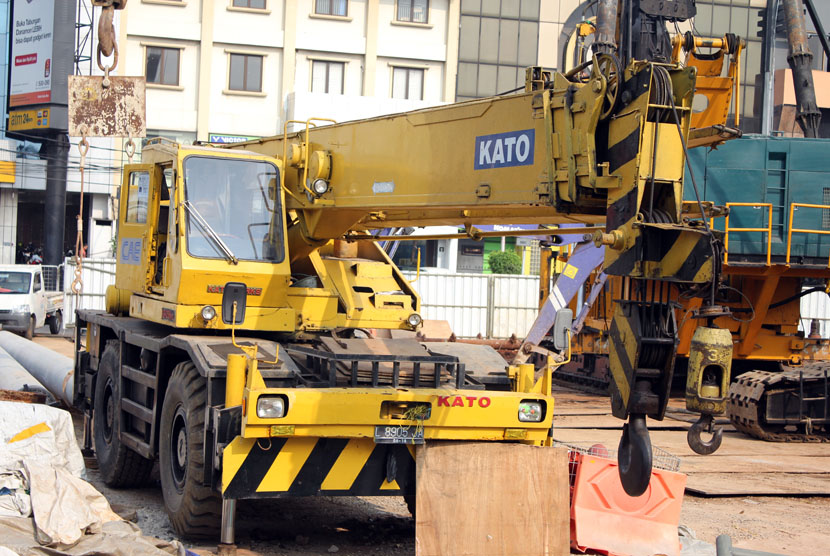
505	262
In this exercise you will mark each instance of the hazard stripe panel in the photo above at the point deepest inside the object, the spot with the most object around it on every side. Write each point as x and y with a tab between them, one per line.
306	466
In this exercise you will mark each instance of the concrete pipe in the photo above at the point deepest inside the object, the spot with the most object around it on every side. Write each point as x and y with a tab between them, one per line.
15	378
52	370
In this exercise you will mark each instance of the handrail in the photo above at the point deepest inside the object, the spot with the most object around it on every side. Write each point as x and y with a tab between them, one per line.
308	123
768	230
790	228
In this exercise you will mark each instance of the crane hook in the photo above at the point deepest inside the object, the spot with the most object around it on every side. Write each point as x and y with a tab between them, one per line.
634	456
706	423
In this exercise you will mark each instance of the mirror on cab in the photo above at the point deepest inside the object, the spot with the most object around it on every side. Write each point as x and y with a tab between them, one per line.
234	292
561	326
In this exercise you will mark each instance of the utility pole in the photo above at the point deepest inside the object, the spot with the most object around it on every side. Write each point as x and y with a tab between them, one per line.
54	214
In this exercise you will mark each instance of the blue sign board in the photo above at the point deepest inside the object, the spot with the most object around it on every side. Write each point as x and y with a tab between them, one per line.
502	150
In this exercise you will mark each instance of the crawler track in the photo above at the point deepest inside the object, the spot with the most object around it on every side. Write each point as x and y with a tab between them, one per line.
746	405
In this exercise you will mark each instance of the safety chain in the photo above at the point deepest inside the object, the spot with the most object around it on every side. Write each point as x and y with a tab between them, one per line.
107	44
77	282
129	149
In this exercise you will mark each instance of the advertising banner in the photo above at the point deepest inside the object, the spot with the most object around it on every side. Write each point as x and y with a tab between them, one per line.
35	118
32	35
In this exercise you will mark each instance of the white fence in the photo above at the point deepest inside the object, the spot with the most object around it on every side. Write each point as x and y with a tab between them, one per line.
816	306
96	274
493	305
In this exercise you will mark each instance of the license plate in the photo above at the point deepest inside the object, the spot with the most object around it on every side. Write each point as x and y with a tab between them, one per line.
399	435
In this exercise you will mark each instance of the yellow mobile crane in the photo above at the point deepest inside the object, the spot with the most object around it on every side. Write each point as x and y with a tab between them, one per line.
236	345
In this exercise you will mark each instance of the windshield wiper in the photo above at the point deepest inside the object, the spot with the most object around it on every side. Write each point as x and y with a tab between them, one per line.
209	232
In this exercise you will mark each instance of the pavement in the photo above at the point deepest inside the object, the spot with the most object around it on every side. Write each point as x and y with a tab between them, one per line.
773	497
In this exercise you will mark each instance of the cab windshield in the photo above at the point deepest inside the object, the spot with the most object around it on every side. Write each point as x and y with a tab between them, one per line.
233	209
14	282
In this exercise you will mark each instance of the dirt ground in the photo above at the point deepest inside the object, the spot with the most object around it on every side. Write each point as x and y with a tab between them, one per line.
383	527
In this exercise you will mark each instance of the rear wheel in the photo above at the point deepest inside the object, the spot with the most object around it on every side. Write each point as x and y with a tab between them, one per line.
120	467
29	333
410	504
56	323
195	510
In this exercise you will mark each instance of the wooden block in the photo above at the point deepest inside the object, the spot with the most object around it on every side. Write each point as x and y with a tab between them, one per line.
481	498
435	330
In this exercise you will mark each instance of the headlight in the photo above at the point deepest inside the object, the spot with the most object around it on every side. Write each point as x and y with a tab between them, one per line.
270	408
414	320
319	187
22	309
208	312
530	411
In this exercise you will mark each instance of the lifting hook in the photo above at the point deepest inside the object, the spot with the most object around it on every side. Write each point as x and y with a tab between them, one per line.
706	423
634	456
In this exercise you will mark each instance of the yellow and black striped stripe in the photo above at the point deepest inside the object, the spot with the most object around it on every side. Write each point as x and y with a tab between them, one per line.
676	254
663	252
622	353
305	466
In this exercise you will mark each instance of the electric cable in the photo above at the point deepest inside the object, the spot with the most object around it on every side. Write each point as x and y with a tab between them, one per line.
784	301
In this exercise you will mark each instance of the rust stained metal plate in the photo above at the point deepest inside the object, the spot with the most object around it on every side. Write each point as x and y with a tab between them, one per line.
115	111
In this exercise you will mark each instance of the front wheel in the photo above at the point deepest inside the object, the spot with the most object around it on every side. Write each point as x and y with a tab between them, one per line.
29	333
194	510
56	323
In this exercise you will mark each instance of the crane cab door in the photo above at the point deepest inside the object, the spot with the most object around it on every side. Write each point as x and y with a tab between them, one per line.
138	224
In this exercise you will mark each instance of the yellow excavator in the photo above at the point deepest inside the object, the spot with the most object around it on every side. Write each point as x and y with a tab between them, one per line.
237	344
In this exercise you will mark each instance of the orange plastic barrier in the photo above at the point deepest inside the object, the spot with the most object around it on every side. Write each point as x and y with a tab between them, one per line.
607	520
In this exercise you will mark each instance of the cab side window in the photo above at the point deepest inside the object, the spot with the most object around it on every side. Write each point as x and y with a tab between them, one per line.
138	195
37	283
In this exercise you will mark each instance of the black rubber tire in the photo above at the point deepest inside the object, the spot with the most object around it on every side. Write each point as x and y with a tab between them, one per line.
29	333
195	510
410	504
120	467
56	323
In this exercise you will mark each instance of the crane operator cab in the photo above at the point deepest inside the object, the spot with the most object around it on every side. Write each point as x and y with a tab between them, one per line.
192	219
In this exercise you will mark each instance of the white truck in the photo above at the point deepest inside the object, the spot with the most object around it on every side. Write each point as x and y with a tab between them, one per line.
30	297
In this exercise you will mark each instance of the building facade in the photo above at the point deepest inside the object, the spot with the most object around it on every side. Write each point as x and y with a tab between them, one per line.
229	70
225	70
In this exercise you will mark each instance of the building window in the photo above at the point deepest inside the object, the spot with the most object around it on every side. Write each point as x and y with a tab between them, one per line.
327	77
408	83
245	73
162	65
413	11
331	7
497	41
252	4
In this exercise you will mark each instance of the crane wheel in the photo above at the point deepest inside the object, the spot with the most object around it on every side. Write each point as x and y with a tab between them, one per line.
120	467
195	510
